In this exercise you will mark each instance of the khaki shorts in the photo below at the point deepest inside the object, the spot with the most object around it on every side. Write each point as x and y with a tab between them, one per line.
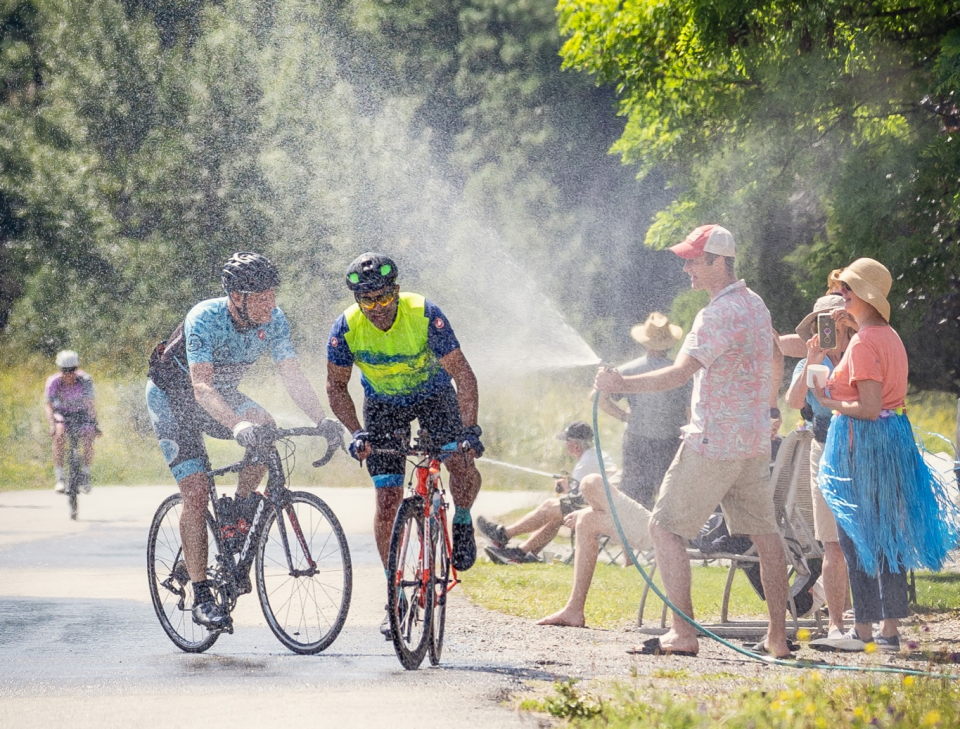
824	522
634	519
694	485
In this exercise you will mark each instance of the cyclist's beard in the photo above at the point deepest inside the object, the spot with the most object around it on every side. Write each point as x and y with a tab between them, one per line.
383	319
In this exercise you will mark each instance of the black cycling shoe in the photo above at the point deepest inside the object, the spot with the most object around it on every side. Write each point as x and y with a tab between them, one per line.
210	615
496	533
464	547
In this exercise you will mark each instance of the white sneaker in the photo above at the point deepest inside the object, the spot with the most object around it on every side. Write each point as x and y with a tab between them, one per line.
85	485
60	487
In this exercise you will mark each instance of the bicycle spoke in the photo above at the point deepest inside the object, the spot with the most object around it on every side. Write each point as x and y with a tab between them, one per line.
305	611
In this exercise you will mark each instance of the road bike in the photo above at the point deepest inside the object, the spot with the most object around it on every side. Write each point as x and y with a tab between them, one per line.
420	564
292	539
75	477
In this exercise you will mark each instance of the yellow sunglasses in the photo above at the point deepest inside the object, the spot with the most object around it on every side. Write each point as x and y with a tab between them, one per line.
371	302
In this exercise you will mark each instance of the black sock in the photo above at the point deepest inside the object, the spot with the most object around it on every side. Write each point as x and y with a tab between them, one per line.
201	592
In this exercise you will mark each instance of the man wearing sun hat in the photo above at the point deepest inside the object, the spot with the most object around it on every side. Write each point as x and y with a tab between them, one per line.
725	451
654	419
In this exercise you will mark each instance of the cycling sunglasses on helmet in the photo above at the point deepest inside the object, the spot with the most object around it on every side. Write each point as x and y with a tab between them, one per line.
370	302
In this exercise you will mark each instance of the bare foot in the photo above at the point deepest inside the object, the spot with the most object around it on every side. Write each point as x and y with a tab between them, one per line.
671	641
568	619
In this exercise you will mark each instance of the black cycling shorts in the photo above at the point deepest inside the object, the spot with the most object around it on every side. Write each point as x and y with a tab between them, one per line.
438	414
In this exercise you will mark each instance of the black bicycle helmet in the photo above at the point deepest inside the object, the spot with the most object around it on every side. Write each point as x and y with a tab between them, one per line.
371	272
249	273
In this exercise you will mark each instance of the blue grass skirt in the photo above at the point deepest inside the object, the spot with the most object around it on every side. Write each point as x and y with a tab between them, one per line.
885	496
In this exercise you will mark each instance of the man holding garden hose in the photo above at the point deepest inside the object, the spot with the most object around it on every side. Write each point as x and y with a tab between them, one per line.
725	451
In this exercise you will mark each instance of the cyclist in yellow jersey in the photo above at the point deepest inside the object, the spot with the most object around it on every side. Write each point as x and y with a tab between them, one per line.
411	368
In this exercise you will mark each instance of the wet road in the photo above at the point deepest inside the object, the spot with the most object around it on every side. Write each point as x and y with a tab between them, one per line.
80	645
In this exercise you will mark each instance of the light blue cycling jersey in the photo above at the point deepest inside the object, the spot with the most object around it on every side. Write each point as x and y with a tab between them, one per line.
211	336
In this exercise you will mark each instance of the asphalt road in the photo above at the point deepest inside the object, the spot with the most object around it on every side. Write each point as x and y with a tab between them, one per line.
80	645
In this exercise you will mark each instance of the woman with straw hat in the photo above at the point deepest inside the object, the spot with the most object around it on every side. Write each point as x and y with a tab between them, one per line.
892	513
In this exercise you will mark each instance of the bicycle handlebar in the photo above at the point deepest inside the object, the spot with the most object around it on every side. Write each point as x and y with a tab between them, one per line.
269	434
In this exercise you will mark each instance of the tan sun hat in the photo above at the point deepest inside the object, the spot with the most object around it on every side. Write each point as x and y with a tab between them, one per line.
657	332
808	326
871	281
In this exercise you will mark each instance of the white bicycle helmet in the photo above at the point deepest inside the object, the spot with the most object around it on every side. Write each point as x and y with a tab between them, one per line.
68	359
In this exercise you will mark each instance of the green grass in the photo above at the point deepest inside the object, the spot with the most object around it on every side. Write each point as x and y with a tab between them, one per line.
812	701
535	590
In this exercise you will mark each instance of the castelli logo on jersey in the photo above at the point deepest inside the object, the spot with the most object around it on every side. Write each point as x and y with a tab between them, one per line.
438	323
262	334
334	342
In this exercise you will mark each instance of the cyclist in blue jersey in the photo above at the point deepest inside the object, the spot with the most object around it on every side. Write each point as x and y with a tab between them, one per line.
410	361
192	390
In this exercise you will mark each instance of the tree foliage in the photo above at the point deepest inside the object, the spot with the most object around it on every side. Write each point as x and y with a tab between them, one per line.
818	131
153	137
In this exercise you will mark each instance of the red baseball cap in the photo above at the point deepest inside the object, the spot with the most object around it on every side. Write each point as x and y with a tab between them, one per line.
706	239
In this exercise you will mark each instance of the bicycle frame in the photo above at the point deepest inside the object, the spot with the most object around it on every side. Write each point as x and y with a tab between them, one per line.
428	484
278	497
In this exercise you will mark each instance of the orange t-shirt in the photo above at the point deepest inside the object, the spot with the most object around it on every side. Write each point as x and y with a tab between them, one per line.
875	353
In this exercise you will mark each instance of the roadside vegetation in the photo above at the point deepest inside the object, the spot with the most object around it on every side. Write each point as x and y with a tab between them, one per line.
814	700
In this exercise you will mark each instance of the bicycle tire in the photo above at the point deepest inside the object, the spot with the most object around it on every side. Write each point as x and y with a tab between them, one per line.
305	612
409	594
73	478
441	579
167	574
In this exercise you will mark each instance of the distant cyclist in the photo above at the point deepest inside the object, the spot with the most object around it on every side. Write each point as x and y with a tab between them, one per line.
68	397
410	360
192	390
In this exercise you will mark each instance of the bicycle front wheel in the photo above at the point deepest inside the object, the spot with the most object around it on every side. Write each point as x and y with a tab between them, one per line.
304	590
170	587
410	590
441	586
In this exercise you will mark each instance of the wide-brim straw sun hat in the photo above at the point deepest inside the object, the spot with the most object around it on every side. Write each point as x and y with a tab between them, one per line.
657	332
808	325
871	281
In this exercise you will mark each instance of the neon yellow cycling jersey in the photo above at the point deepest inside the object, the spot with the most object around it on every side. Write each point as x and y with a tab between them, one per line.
401	364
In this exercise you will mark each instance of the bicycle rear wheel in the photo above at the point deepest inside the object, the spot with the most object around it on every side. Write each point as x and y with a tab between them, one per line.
170	587
307	605
74	475
410	590
441	585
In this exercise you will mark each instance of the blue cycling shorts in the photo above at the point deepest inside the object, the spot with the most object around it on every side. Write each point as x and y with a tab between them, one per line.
180	423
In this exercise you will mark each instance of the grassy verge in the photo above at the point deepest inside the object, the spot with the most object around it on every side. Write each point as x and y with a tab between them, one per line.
812	701
535	590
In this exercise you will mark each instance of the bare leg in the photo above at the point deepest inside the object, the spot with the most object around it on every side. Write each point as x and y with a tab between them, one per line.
773	575
590	525
388	501
836	586
547	513
889	627
193	525
87	440
59	439
251	476
541	538
674	565
465	480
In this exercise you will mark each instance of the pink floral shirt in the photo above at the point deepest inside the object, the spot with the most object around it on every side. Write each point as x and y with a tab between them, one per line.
730	408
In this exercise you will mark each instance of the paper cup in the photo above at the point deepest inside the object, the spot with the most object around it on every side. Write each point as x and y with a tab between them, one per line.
817	374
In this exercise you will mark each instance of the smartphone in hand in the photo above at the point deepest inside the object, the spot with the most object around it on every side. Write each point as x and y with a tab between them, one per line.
827	331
